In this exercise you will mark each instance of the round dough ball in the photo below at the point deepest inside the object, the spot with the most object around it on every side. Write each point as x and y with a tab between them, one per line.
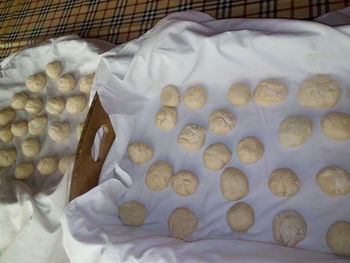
37	125
192	137
8	157
319	91
65	162
166	118
158	176
184	183
80	130
34	106
47	165
239	95
234	184
294	130
19	128
132	213
336	125
250	150
53	69
76	104
182	223
36	82
221	121
140	152
284	182
195	98
55	105
338	238
334	180
6	134
30	147
216	156
270	92
19	100
85	83
24	170
288	227
66	83
170	96
6	116
59	131
240	217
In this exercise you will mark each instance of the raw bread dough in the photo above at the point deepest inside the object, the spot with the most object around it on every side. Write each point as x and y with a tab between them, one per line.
221	121
158	176
294	130
34	106
240	217
6	116
182	223
5	133
30	147
19	100
166	118
338	238
170	96
289	227
216	156
76	104
195	98
132	213
250	150
140	152
85	83
19	128
59	131
36	82
37	125
184	183
8	157
53	69
270	92
64	163
55	105
24	170
334	180
284	182
47	165
192	137
234	184
239	95
66	83
319	91
336	125
80	130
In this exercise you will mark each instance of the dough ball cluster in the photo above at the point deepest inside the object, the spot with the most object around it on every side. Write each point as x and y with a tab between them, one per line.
234	184
66	83
250	150
85	83
19	128
338	238
24	170
8	157
76	104
216	156
334	180
79	130
336	125
37	125
19	100
6	134
59	131
140	152
182	223
56	105
53	69
47	165
221	121
36	83
270	92
294	130
65	162
6	116
158	176
195	98
166	118
170	96
34	106
132	213
240	217
239	95
184	183
192	137
284	182
31	147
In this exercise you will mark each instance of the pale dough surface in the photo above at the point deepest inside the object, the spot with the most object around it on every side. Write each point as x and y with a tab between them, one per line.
75	104
184	183
234	185
170	96
47	165
19	100
166	118
79	130
37	125
59	131
284	182
56	105
24	170
8	157
19	128
334	180
65	161
336	125
192	137
249	150
240	217
195	98
221	121
140	152
6	134
182	223
239	94
294	130
216	156
30	147
6	116
85	83
34	106
270	92
338	238
66	83
132	213
158	176
36	82
53	69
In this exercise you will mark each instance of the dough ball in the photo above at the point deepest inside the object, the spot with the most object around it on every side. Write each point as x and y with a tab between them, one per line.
250	150
76	104
234	184
184	183
334	180
182	223
336	125
53	69
6	134
47	165
19	100
284	182
37	125
19	128
170	96
216	156
132	213
270	92
65	162
85	83
36	82
24	170
80	130
338	238
319	91
66	83
7	157
294	130
192	137
240	217
166	118
239	95
158	176
288	227
221	121
140	152
55	105
30	147
6	116
59	131
195	98
34	106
